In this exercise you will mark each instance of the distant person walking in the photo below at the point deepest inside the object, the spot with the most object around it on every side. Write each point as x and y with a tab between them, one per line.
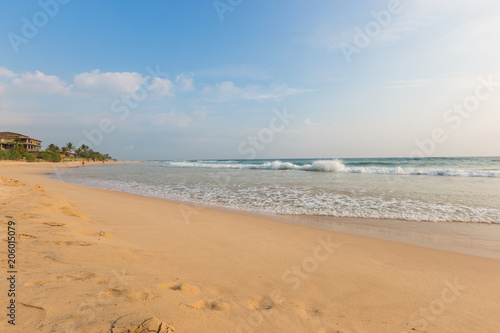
83	163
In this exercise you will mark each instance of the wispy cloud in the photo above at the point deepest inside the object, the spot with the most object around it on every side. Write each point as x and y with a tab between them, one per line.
308	122
168	119
477	37
201	112
376	26
227	90
185	82
414	16
403	84
250	72
12	117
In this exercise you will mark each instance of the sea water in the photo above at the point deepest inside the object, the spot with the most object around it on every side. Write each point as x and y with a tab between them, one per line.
465	189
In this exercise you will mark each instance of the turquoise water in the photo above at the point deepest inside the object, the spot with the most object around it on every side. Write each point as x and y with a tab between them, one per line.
428	189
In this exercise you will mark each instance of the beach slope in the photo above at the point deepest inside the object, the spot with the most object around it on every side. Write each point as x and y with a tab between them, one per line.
92	260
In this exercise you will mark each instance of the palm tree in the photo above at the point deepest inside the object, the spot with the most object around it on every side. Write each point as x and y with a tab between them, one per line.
83	151
16	140
53	147
69	147
64	150
84	147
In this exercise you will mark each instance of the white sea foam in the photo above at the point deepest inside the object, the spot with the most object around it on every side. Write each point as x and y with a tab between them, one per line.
338	166
306	187
325	165
305	201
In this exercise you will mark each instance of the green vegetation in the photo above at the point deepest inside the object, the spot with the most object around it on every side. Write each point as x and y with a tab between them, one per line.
85	152
10	155
50	156
28	157
53	153
16	153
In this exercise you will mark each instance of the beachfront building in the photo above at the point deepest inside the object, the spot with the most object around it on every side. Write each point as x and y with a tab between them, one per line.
8	141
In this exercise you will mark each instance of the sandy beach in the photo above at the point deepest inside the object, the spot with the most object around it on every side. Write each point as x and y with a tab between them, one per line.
93	260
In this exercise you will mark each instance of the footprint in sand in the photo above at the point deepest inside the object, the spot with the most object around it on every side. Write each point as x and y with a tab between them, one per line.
55	224
214	305
103	234
68	211
181	287
141	323
45	204
25	236
260	303
130	294
39	188
66	243
29	216
37	283
99	235
32	315
71	212
82	277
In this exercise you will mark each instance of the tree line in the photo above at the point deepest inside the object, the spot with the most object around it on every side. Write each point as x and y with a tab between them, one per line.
52	153
83	151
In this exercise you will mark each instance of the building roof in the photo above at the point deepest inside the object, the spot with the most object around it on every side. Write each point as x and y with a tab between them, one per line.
11	135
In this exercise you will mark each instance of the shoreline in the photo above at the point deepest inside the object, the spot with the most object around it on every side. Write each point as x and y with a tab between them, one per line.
473	238
117	255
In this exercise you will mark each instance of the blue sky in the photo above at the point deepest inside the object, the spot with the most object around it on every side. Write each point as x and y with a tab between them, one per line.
205	79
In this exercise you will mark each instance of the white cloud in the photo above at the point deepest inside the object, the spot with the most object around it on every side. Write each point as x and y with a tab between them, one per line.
477	37
222	91
40	83
452	6
112	83
161	87
308	122
185	82
4	72
117	83
396	27
229	91
414	16
236	72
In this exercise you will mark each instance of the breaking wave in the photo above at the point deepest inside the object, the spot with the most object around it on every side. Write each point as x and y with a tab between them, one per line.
334	166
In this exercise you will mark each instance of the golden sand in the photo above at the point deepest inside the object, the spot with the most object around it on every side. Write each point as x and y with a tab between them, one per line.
92	260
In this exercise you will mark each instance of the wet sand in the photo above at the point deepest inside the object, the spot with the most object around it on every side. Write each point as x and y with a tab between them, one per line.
92	260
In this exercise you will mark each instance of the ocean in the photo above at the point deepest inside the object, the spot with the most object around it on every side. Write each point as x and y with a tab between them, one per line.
461	189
